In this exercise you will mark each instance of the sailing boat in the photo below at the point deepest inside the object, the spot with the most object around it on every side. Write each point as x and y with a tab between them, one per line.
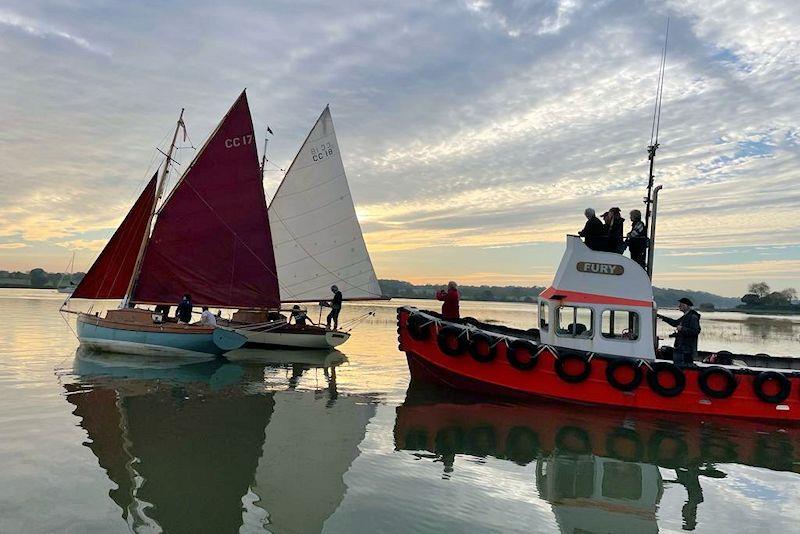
317	242
210	239
70	287
214	239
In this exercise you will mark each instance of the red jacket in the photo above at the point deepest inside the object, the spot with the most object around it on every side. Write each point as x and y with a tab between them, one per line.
450	306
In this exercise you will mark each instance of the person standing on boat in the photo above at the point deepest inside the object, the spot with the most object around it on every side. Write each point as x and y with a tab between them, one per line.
336	306
207	318
687	331
615	229
637	238
450	298
593	233
184	310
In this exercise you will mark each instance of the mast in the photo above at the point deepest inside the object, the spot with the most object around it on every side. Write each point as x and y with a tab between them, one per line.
651	154
264	157
146	237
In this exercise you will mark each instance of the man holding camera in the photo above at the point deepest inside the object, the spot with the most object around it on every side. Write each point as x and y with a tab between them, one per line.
686	333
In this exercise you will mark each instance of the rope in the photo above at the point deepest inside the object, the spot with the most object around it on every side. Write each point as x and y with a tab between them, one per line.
659	91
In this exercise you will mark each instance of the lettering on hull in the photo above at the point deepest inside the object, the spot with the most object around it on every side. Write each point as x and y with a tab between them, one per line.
600	268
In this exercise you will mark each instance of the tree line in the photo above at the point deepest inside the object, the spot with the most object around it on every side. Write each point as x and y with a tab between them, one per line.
760	295
38	278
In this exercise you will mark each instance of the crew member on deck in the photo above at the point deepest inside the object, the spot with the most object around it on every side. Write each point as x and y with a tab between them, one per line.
615	228
207	318
184	309
336	306
299	316
450	298
687	331
637	238
593	232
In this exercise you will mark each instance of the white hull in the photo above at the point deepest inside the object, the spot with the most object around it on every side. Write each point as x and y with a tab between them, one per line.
141	349
300	340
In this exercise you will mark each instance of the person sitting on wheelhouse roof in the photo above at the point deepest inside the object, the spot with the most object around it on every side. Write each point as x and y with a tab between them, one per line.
614	229
593	233
686	333
637	238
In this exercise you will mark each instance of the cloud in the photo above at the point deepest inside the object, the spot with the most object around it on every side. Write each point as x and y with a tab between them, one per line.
12	246
43	30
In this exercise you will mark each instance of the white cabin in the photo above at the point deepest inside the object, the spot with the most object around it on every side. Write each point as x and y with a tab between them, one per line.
599	302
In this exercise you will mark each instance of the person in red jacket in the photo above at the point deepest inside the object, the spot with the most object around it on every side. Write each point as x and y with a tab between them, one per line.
450	297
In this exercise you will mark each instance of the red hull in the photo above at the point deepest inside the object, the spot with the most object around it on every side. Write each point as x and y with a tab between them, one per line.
429	364
521	433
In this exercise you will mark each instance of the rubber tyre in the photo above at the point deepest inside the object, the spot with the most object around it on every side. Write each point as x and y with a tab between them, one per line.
612	367
522	445
569	433
512	354
655	385
478	342
624	434
414	325
730	385
449	333
679	458
560	367
781	395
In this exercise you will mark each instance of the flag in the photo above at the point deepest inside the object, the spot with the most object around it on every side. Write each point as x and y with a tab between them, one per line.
183	126
269	131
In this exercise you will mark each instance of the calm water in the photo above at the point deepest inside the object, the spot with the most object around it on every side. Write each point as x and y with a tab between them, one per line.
341	444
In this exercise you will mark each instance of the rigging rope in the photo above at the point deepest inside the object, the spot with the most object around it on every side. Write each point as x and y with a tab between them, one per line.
659	91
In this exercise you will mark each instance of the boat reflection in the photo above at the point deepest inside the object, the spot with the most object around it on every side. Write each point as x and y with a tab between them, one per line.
207	447
601	471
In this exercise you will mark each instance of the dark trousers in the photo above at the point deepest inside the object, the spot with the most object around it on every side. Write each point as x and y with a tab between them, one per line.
682	358
334	316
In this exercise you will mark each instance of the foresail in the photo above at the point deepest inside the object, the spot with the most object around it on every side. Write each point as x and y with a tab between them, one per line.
111	272
315	232
212	238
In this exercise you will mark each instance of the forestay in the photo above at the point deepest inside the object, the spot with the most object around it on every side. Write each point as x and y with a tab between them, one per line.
315	232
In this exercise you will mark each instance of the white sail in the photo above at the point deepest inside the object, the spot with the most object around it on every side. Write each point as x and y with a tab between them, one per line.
315	231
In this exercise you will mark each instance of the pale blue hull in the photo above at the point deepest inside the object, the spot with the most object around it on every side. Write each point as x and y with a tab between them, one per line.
126	341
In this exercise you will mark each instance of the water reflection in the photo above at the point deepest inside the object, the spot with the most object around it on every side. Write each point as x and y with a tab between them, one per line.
206	447
601	471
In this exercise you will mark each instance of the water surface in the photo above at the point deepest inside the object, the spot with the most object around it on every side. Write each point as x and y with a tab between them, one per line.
306	442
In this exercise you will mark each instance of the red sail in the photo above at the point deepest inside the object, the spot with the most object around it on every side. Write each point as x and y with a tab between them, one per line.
111	272
212	238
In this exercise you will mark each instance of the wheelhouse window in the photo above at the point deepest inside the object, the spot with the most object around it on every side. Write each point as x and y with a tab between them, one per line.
620	324
574	321
544	316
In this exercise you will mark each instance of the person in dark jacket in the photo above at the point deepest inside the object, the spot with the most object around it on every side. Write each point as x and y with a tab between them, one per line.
593	233
687	331
299	316
336	306
637	239
184	309
450	298
615	228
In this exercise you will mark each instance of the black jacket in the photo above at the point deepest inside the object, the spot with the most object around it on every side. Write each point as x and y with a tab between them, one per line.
184	311
615	241
337	300
594	234
686	337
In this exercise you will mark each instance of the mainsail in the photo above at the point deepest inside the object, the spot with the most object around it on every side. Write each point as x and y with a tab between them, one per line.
108	277
315	232
212	236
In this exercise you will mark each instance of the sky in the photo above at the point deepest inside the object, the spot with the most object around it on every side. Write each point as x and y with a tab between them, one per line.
474	132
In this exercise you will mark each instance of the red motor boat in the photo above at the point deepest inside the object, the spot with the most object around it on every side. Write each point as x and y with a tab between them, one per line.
595	343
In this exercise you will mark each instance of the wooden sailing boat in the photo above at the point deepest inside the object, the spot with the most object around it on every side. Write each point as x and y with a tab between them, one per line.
212	238
317	242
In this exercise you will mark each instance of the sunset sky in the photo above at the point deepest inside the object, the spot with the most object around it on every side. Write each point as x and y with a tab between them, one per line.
474	132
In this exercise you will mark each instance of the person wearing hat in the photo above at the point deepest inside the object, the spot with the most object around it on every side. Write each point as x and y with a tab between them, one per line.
336	306
686	333
299	316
